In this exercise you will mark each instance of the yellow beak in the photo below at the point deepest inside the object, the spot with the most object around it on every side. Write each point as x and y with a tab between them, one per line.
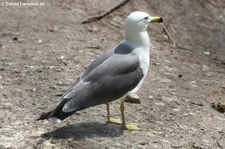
156	20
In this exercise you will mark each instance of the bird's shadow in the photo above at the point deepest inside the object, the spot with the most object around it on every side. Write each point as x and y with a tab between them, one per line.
84	130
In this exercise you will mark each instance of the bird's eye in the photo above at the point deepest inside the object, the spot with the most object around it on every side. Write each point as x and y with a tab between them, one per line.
145	18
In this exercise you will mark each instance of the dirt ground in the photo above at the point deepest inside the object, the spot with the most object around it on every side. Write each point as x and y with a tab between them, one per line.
43	49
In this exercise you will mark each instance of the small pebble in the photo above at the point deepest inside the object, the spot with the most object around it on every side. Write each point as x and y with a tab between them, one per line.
151	97
15	38
220	106
206	53
180	75
193	84
143	143
205	68
33	90
59	94
133	98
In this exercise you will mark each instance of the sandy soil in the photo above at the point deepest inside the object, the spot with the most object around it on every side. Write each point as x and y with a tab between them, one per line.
43	49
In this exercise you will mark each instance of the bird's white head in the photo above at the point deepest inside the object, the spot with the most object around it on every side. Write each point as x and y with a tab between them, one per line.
136	26
139	21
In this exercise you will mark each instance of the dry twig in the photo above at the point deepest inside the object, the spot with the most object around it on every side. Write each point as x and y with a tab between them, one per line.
99	17
171	40
218	141
219	145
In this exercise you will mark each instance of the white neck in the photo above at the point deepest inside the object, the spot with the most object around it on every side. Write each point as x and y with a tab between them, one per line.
139	39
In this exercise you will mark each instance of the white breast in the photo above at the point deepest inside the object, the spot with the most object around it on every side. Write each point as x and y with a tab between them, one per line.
144	64
141	43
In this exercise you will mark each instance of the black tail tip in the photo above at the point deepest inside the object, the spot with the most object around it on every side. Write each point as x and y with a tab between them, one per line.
44	116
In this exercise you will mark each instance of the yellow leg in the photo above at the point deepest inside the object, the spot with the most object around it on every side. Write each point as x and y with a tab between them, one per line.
124	125
110	119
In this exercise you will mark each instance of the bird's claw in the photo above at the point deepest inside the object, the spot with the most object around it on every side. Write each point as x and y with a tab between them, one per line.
114	121
131	127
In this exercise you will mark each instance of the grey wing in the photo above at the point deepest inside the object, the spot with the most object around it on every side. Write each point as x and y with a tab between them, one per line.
97	62
111	79
121	49
72	91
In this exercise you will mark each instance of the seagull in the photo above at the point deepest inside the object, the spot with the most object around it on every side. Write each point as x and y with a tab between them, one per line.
113	75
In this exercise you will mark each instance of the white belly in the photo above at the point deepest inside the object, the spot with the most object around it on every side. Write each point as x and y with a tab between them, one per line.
144	64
